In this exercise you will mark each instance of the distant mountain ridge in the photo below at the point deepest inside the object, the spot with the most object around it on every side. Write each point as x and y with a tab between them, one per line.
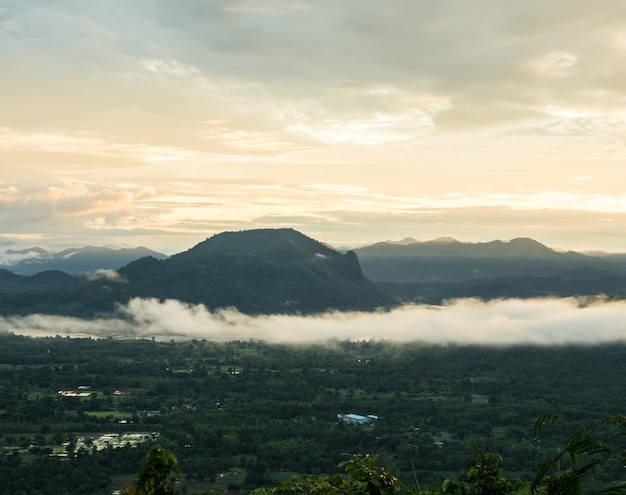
282	271
74	260
449	260
431	272
264	271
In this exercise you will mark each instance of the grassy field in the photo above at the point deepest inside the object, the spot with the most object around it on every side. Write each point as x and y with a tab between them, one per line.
112	413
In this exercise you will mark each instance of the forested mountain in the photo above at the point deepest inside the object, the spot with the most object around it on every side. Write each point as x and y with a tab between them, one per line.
433	271
257	272
270	271
449	260
74	261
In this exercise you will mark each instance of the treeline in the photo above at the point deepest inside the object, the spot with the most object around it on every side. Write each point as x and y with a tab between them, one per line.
269	409
605	286
84	473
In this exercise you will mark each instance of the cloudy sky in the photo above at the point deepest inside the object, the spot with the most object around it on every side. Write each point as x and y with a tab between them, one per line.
160	123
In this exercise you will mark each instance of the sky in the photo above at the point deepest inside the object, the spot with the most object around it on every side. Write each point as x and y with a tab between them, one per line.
158	123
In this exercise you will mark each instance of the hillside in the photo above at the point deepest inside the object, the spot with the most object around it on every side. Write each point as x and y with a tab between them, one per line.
257	272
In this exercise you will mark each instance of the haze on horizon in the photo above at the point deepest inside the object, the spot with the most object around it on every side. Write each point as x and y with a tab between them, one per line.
161	123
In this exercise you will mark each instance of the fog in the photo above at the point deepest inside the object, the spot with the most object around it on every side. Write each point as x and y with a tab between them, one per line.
503	322
112	275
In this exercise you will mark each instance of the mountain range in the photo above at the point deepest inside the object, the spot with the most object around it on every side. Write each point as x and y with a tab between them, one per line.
74	261
270	271
449	260
433	271
258	272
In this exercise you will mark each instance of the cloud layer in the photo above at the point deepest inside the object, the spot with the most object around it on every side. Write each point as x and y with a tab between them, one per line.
499	323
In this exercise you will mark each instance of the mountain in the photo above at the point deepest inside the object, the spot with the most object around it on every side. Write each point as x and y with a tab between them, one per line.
258	272
434	271
74	261
448	260
281	271
613	258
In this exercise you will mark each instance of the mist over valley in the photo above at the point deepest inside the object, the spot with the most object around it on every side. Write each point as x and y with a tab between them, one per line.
278	285
506	322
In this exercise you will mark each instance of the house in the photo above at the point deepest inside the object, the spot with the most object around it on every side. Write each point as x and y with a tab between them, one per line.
357	419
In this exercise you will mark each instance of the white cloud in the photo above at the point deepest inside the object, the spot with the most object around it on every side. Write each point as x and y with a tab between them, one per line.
12	256
555	63
375	129
499	323
111	275
274	9
83	143
171	67
246	141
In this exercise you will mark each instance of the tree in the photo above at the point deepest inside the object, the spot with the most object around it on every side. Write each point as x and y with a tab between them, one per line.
483	478
586	450
362	477
256	474
153	475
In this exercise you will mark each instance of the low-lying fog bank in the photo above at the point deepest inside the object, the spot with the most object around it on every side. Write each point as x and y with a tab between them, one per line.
504	322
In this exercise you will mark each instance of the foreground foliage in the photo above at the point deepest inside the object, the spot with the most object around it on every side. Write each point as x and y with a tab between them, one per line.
588	451
154	474
585	452
362	477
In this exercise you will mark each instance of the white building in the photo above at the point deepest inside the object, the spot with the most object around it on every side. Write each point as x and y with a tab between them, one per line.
357	419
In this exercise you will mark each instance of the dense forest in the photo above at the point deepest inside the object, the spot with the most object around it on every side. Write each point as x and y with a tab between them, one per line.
242	414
